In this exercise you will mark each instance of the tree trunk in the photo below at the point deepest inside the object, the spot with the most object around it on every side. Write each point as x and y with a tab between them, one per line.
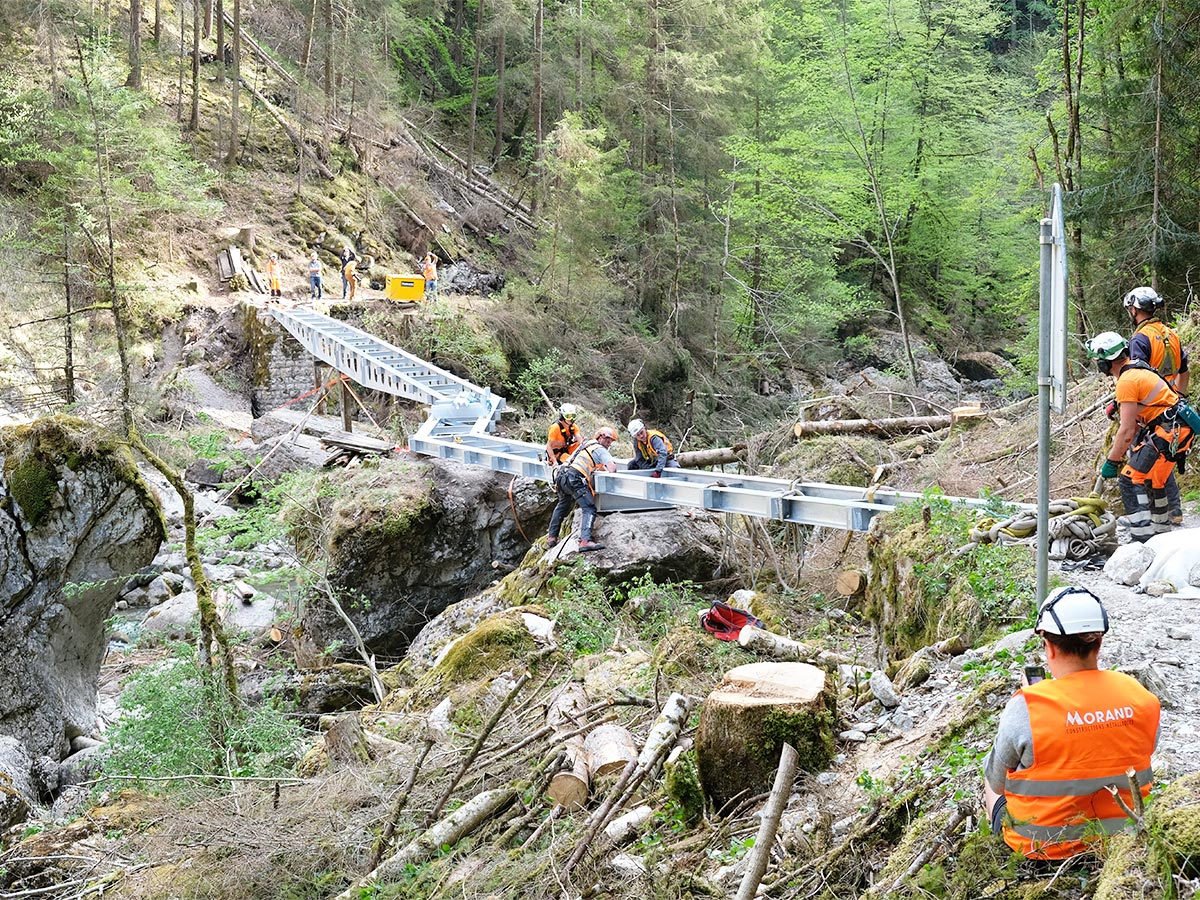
208	18
876	426
68	327
746	721
475	88
328	59
135	45
309	31
719	456
157	22
536	102
220	14
460	21
231	156
194	119
498	144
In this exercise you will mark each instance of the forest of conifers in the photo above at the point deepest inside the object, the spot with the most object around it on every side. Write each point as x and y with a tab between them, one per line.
772	173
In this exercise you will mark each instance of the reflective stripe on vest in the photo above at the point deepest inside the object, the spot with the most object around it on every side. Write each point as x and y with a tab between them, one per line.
1088	728
1165	349
1142	385
583	462
647	451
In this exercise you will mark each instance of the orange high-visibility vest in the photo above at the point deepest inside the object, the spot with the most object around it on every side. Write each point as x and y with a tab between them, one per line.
1146	388
562	442
273	273
584	463
1088	728
1166	353
646	451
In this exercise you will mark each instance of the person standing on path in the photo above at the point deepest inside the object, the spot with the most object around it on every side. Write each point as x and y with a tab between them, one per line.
573	480
1061	741
1152	430
1158	345
429	271
273	275
314	276
349	260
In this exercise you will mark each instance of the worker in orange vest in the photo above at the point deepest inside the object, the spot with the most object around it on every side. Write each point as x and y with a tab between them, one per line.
1157	344
573	480
1062	741
273	275
429	271
563	438
1153	429
651	449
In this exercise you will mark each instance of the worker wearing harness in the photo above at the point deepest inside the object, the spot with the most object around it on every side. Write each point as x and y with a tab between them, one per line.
563	439
1152	429
1157	345
1062	741
574	482
651	449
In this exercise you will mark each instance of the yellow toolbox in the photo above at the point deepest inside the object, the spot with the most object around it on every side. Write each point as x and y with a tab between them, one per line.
405	287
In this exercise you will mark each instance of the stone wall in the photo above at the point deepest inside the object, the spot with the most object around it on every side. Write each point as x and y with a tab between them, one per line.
280	369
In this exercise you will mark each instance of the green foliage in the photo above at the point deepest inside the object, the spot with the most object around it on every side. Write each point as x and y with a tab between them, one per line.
447	338
166	728
551	372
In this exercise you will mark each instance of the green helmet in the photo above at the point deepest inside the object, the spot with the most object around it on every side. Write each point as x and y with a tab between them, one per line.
1106	345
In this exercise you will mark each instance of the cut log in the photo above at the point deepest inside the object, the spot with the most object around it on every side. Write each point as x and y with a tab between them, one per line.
624	829
346	743
851	582
746	721
609	748
762	641
872	426
698	459
444	833
570	787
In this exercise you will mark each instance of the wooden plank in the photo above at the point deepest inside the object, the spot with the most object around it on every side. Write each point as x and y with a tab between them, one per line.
358	442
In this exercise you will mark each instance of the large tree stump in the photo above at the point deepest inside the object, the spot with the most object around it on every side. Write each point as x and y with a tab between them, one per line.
751	715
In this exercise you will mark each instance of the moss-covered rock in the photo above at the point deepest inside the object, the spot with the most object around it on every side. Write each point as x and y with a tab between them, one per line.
1174	821
1127	871
682	785
488	649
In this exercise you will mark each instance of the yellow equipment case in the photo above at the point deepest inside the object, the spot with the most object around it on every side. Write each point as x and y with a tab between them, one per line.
405	287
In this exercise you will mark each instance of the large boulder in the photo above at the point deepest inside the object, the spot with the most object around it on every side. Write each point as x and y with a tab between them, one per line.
408	537
76	520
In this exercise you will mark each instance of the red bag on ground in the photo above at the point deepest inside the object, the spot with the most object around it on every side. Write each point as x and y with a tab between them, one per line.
725	622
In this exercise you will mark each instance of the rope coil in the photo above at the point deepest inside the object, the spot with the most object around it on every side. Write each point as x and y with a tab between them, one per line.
1079	527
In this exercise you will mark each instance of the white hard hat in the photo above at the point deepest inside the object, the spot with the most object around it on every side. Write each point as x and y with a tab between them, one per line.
568	409
1106	345
635	426
1071	610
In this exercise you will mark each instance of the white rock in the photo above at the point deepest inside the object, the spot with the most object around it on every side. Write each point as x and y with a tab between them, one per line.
853	735
1178	634
825	779
1159	588
628	865
1128	563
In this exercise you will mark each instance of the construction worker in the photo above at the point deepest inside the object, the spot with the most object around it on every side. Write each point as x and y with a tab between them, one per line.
348	261
563	439
1158	345
273	275
1152	431
429	271
573	479
314	276
1062	740
651	449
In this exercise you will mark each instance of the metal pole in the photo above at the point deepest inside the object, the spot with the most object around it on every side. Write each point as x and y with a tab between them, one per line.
1043	494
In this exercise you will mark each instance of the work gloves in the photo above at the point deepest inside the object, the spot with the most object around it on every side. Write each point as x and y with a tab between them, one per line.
1112	410
656	474
1110	469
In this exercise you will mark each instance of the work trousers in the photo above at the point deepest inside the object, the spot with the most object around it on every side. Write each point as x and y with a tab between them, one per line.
314	286
572	489
1144	480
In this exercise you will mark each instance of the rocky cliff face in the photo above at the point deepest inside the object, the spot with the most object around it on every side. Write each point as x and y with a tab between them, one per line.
75	520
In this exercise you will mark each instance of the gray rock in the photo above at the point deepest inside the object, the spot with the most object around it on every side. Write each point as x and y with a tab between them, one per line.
70	536
853	735
915	670
1178	634
16	786
174	619
82	766
885	693
825	779
158	590
178	618
174	582
902	721
1128	563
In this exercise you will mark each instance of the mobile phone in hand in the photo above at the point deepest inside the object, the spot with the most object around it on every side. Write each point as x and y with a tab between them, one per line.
1034	674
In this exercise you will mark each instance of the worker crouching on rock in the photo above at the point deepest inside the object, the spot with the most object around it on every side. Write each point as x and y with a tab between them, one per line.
1062	741
574	482
651	449
1151	429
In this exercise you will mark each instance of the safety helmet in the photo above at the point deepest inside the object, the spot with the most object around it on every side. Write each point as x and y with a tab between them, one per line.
273	256
635	426
568	411
1106	345
1146	298
1071	610
605	431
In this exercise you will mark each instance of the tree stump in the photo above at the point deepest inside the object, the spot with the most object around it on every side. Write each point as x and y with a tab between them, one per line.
751	715
851	582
